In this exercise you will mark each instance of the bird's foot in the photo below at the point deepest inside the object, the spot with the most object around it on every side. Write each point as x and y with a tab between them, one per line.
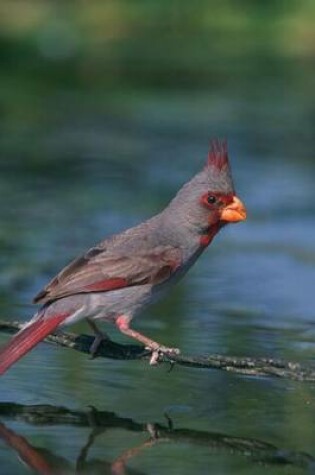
99	338
159	351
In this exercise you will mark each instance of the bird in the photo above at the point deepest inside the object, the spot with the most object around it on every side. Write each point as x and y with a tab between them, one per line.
119	277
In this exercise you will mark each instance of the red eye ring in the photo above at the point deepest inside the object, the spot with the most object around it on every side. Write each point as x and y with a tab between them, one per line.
211	199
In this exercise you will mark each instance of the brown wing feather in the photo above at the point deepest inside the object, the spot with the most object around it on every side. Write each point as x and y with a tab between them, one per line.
99	270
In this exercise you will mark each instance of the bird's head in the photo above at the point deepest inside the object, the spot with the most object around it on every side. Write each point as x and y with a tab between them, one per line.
209	201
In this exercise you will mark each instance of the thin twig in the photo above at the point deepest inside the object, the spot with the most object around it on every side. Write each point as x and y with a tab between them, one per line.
241	365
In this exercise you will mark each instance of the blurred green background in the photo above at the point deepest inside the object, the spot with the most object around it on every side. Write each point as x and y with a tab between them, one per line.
106	108
62	61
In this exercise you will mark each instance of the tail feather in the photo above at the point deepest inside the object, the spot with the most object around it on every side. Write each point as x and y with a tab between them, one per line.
26	339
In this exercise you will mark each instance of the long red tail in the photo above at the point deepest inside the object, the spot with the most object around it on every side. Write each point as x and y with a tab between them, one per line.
26	339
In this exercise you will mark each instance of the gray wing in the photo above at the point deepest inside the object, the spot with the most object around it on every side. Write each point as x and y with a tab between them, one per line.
101	270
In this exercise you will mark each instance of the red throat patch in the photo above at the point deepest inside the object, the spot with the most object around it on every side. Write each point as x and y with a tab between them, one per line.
218	154
206	239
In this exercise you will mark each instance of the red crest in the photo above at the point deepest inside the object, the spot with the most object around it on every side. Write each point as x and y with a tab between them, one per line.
218	154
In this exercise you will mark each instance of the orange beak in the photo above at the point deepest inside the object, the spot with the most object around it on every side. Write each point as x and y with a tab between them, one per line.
234	212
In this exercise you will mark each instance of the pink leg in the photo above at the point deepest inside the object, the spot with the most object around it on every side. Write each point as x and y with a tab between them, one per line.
122	324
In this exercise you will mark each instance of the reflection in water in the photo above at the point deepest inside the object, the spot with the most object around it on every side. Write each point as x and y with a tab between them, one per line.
44	461
30	455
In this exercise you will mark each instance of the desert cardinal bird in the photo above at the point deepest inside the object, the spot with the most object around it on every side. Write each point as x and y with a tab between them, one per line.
117	278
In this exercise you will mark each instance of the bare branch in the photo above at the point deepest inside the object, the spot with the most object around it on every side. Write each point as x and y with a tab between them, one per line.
241	365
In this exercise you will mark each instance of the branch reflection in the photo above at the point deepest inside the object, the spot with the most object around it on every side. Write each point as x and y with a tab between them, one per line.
43	461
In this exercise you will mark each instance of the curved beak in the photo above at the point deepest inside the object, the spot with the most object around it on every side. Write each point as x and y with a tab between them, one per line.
234	212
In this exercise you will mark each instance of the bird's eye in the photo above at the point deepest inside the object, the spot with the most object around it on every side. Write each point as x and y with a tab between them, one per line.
211	199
